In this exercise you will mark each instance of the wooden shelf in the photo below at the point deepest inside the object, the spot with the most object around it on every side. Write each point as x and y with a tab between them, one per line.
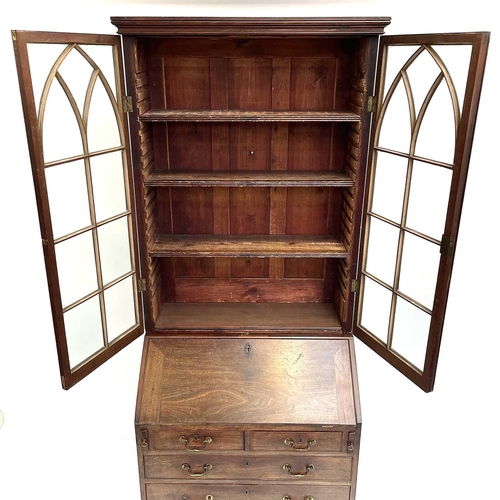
238	115
270	178
208	245
248	317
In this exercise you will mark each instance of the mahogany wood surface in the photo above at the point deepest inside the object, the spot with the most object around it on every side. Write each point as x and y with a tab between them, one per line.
199	491
247	381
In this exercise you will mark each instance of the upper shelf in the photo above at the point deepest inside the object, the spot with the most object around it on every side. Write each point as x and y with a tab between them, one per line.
267	178
240	115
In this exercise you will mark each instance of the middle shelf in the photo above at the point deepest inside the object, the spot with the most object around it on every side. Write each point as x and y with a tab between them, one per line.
209	245
267	178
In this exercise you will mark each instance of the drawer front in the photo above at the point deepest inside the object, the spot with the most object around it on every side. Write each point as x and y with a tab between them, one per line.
299	442
194	440
267	468
160	491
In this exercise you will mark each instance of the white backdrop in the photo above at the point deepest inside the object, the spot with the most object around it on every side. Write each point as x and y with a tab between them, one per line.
79	445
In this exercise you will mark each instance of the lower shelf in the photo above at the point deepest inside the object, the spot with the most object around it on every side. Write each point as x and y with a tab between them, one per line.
207	245
249	317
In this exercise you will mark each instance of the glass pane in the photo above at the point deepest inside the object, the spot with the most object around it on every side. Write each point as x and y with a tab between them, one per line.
411	332
103	132
102	56
428	203
76	72
397	56
42	57
376	310
76	268
419	269
120	308
68	197
83	331
457	61
436	137
389	186
382	250
114	249
422	73
62	136
109	185
395	132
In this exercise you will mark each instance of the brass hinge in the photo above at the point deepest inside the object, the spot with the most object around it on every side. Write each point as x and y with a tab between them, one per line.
371	104
447	244
127	104
14	35
142	285
354	286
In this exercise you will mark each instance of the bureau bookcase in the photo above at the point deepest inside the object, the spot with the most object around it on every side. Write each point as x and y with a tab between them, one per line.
261	191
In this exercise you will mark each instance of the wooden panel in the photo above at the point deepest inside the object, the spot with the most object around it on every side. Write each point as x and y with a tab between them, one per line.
192	210
309	146
249	290
312	83
187	83
248	317
199	491
307	211
205	245
245	467
226	439
250	146
228	115
189	146
275	441
303	268
250	83
247	381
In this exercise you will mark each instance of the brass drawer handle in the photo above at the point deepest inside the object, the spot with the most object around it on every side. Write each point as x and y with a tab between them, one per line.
307	497
288	468
187	467
196	439
289	442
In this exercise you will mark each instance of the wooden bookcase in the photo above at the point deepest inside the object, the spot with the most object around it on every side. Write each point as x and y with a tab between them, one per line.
272	202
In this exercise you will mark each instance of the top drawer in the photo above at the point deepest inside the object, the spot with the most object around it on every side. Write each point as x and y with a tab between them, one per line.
198	440
296	441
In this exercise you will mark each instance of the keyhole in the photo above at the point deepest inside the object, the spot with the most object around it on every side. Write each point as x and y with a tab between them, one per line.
247	463
300	440
248	348
247	492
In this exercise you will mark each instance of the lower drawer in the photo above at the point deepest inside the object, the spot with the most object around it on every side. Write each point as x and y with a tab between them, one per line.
267	468
160	491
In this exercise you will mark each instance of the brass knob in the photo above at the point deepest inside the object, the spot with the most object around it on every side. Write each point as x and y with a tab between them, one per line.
350	446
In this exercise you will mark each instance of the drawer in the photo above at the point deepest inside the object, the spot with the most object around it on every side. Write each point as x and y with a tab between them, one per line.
201	466
193	440
159	491
300	442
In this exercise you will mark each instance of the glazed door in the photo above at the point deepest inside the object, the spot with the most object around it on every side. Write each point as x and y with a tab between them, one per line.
72	91
426	104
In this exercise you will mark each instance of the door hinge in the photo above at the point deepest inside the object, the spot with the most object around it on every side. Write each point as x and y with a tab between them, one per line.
354	286
142	285
14	35
447	244
371	104
127	104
